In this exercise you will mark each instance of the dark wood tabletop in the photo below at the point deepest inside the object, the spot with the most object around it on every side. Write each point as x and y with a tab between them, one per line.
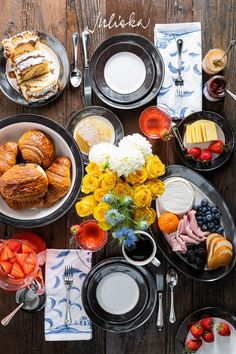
25	334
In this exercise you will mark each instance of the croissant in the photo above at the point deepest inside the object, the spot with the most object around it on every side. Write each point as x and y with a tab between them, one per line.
58	175
19	204
23	183
37	147
8	154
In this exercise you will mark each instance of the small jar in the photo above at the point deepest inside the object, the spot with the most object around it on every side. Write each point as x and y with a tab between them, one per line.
214	62
215	88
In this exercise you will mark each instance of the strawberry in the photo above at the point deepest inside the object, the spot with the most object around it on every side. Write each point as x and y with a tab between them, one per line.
7	266
31	259
28	268
26	248
208	336
21	257
223	329
217	147
206	157
14	245
75	230
207	323
197	330
6	253
35	240
17	271
192	346
194	153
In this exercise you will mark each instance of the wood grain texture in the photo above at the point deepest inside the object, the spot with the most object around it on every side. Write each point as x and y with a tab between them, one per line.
25	334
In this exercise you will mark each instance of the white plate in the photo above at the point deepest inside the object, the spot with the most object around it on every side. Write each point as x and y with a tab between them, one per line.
124	72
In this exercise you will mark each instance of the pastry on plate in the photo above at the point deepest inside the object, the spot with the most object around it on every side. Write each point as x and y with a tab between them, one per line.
8	154
40	88
21	43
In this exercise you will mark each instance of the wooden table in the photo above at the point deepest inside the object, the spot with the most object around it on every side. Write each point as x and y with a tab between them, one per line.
25	334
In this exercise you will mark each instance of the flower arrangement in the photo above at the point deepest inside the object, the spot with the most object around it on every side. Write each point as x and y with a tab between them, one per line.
121	183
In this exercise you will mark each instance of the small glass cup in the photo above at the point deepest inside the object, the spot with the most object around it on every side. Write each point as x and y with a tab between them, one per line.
215	88
155	123
214	61
90	236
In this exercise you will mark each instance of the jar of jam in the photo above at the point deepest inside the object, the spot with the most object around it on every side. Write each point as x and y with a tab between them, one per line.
215	88
214	61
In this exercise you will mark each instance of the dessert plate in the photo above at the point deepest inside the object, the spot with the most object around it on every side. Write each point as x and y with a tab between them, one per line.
224	131
61	66
118	296
202	189
124	72
220	344
157	61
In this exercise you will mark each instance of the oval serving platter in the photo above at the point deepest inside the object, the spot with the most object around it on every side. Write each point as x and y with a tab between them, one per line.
202	189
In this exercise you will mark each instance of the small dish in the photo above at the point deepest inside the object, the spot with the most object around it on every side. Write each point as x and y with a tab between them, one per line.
105	114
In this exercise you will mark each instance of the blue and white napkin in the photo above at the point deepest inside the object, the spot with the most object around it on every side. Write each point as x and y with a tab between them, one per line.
165	37
55	329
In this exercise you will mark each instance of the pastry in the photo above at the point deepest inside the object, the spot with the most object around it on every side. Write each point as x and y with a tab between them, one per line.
37	147
8	154
40	88
58	174
23	42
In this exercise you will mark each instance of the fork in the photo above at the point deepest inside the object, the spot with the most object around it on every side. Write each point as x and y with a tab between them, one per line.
68	280
179	82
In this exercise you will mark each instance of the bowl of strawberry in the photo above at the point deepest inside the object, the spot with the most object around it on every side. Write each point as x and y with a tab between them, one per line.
209	330
208	139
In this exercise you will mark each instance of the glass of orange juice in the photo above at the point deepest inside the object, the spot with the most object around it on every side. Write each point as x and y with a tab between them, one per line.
155	123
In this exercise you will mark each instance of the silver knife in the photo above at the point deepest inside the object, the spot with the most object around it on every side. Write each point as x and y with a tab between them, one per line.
160	287
87	83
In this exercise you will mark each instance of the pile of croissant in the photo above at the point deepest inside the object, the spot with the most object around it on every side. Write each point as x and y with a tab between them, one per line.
41	180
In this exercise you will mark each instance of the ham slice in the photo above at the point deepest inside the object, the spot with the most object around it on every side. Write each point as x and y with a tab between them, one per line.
189	240
171	239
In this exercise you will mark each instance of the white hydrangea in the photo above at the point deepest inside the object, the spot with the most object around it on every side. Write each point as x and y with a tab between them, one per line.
125	161
101	153
137	141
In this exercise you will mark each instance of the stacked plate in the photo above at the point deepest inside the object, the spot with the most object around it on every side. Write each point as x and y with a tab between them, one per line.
118	296
126	71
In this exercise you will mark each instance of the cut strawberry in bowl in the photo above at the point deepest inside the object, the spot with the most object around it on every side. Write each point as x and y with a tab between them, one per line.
26	248
33	240
14	245
17	271
6	253
28	268
21	257
6	266
31	259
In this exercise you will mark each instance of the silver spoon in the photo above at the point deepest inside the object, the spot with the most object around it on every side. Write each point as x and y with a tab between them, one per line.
75	74
232	43
8	318
172	280
231	94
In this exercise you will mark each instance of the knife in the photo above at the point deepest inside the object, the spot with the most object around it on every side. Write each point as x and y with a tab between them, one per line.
160	287
87	83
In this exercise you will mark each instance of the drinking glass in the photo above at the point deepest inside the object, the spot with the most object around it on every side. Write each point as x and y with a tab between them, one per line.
155	122
90	236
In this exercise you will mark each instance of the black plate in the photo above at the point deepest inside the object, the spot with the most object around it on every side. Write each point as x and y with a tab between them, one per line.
230	230
152	51
60	211
229	140
196	316
62	56
133	319
97	111
100	78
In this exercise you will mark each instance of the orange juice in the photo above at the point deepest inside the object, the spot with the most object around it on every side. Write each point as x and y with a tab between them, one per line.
90	236
155	122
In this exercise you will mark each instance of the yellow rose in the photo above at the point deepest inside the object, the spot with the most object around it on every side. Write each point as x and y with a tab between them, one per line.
142	196
108	180
86	206
100	211
104	225
147	214
89	183
156	186
93	169
123	188
155	167
99	194
137	176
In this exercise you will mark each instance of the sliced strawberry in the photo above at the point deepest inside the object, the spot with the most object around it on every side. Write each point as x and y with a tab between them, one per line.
6	253
7	266
26	248
14	245
12	259
28	268
17	271
21	257
31	259
35	240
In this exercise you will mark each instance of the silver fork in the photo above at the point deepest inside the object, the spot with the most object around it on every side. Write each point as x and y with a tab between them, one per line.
179	82
68	280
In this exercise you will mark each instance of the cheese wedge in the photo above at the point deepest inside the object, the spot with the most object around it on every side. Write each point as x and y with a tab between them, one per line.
201	131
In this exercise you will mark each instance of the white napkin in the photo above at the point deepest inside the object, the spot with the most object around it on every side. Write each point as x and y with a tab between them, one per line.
165	37
55	329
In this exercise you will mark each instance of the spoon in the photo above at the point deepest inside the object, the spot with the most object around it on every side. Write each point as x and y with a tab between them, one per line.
8	318
231	94
75	75
232	43
172	280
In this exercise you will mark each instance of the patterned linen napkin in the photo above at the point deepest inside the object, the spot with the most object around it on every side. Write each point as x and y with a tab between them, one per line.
55	329
165	37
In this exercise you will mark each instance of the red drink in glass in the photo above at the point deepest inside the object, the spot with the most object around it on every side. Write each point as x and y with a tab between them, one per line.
90	236
155	122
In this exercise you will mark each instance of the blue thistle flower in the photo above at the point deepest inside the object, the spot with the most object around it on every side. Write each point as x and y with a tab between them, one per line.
130	239
113	217
143	225
121	232
128	200
108	198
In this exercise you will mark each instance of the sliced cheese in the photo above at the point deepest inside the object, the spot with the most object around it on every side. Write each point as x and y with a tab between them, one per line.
210	131
189	137
201	131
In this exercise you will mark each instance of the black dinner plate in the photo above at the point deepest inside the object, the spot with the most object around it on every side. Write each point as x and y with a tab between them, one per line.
130	38
229	140
100	78
132	319
63	59
196	316
230	230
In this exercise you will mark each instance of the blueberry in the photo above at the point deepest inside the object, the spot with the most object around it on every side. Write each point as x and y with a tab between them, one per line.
200	222
210	225
204	202
216	222
199	209
208	212
195	207
204	227
209	217
215	210
217	216
199	213
199	218
210	206
204	219
220	230
200	262
204	209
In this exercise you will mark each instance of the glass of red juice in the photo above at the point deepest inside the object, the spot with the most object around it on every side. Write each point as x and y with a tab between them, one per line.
155	123
90	236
